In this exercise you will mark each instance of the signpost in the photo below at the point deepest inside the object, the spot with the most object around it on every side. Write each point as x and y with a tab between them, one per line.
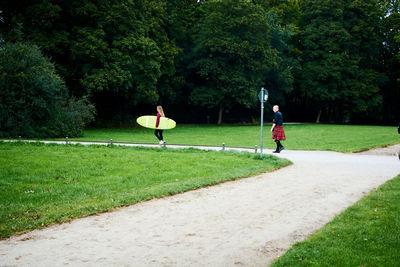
263	97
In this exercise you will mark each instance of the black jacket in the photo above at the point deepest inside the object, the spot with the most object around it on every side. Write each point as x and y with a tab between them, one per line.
278	118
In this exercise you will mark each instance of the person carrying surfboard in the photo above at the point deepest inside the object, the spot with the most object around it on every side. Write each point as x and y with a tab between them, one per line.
157	132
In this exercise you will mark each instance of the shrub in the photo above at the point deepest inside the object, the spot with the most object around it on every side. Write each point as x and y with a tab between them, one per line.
34	99
73	117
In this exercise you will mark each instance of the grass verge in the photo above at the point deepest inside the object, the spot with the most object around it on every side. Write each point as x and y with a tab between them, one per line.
366	234
341	138
42	184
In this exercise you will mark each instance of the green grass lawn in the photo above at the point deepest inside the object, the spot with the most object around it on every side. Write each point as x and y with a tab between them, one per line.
44	184
366	234
342	138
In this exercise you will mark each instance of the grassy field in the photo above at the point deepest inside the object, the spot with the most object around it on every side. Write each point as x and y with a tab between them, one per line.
366	234
44	184
342	138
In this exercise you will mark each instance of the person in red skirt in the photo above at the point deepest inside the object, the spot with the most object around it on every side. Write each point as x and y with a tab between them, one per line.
278	134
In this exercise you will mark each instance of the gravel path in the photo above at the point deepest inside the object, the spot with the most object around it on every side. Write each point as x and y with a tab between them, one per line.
247	222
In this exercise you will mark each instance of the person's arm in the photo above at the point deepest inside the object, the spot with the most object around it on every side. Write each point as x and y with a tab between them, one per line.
158	120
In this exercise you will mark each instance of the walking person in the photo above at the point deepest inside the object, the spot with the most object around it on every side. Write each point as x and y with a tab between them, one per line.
278	134
158	132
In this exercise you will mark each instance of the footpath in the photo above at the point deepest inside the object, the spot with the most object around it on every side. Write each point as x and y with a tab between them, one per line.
247	222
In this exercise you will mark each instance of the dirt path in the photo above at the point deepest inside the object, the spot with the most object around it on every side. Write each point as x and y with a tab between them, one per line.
248	222
387	151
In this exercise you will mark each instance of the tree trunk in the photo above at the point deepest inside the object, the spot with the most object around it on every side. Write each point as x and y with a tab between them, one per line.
319	115
220	114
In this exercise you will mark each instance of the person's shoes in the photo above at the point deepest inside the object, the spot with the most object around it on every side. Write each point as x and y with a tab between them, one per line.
275	151
281	148
161	142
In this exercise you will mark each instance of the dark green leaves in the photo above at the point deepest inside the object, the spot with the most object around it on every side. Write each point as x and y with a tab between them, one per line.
233	53
34	99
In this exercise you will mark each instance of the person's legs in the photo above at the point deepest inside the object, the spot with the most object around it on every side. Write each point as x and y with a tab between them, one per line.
161	136
281	147
277	146
157	134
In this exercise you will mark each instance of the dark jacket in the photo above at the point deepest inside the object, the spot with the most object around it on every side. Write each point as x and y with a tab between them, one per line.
278	118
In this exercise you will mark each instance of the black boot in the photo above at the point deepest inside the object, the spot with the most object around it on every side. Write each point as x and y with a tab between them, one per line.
280	146
277	147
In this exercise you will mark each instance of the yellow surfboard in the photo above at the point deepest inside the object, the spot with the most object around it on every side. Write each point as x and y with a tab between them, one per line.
149	121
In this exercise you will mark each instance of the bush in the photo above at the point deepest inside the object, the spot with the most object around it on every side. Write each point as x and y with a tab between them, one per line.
34	99
73	117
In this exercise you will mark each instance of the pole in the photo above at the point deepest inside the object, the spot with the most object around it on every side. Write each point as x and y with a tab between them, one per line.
262	121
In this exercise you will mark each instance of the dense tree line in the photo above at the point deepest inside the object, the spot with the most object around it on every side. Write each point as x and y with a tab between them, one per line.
333	60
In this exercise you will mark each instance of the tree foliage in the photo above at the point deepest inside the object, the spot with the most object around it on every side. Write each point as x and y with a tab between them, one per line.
34	99
339	45
335	58
390	59
233	53
102	48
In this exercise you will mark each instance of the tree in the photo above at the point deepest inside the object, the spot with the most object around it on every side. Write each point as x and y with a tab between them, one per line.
323	40
390	60
362	97
182	16
338	41
279	78
158	23
288	11
117	52
34	99
232	54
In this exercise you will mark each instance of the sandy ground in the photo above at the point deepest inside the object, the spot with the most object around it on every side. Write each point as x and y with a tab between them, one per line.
248	222
388	151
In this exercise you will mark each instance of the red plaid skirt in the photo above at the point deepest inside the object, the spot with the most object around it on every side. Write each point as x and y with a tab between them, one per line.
278	133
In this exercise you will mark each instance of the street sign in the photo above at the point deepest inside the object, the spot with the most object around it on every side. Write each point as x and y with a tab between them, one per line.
265	96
